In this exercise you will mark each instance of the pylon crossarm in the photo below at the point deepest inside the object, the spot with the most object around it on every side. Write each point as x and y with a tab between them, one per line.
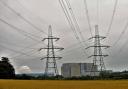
61	49
98	46
57	39
100	37
51	38
97	55
107	47
42	58
50	48
53	57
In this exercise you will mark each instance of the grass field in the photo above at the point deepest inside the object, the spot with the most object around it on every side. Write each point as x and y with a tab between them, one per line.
47	84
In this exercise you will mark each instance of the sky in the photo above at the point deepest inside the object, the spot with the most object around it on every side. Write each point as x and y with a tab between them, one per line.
23	50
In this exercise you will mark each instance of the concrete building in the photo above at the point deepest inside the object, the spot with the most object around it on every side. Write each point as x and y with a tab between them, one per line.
77	69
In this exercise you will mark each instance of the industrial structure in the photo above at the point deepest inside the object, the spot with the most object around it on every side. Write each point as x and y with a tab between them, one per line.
77	69
98	54
51	65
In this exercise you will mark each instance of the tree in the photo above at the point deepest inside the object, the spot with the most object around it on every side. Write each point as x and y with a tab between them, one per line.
7	70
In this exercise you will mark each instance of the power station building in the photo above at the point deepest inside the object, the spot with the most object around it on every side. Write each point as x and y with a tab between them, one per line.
78	69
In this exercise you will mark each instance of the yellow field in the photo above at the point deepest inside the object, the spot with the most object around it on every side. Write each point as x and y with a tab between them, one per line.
45	84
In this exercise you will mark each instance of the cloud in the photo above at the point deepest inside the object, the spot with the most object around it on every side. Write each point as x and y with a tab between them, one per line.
51	12
24	69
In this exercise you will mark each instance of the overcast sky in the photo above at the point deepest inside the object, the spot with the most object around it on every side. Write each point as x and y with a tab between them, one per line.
49	12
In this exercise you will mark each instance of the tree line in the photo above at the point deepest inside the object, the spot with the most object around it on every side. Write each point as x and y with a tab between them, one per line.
103	76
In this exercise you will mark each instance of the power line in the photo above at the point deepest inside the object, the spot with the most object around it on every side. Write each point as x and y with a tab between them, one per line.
68	18
27	47
112	18
14	50
30	55
35	15
13	44
120	36
18	30
72	47
69	48
122	33
88	17
23	18
123	46
75	20
69	51
65	52
70	22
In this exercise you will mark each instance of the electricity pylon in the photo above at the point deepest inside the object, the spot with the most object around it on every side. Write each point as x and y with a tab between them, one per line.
51	65
98	65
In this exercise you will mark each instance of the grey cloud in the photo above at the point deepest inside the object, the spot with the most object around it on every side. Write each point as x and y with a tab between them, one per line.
45	12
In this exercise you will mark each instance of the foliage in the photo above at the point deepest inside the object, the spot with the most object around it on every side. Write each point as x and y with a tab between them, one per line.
6	69
103	76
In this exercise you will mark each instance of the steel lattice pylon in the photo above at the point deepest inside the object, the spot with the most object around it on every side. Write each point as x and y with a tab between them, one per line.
51	65
98	62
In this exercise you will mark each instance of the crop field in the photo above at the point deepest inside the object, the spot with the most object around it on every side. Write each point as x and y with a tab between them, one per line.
61	84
